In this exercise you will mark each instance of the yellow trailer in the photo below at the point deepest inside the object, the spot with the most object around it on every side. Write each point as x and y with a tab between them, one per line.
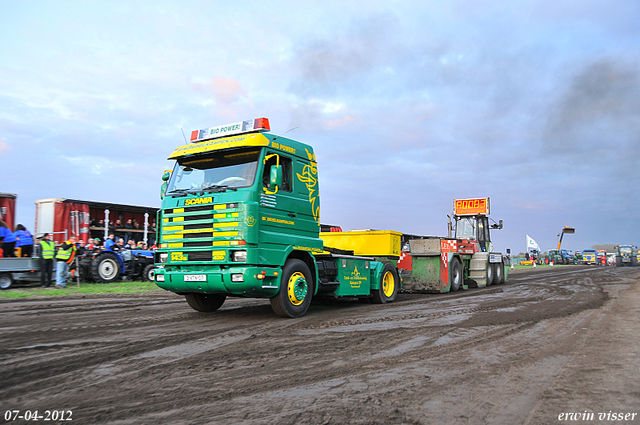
368	243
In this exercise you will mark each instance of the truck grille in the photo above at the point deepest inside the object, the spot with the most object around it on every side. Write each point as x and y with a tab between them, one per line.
200	227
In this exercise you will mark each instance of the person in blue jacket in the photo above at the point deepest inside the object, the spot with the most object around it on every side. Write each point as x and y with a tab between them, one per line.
8	240
24	240
110	242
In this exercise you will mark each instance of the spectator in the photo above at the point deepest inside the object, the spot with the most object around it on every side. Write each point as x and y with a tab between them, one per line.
96	243
90	245
93	222
120	244
131	244
151	233
8	240
128	225
64	257
101	223
47	250
24	241
135	224
80	248
118	224
109	243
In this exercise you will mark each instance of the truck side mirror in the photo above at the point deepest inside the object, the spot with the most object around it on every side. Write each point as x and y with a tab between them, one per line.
499	224
165	179
275	180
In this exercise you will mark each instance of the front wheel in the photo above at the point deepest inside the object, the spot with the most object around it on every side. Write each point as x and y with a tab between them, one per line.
106	268
296	290
490	274
147	274
388	289
498	272
205	303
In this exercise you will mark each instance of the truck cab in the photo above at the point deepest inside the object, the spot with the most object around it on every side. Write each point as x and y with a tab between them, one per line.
589	256
231	213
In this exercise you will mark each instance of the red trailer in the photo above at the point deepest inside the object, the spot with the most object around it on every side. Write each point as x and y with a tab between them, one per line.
63	217
8	209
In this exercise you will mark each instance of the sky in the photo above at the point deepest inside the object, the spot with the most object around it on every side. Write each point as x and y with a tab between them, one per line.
408	105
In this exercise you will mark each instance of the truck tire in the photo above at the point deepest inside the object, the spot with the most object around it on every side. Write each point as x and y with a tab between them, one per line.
388	289
296	290
498	273
147	274
105	268
6	280
455	275
490	274
205	303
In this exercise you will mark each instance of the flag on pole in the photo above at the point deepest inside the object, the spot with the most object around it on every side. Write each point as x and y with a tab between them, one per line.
532	244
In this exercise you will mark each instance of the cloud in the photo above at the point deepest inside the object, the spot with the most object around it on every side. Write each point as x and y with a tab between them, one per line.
227	91
599	112
340	122
4	147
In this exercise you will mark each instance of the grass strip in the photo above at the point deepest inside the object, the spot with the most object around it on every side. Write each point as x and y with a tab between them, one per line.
25	291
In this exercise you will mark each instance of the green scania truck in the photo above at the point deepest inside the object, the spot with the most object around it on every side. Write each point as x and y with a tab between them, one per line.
240	217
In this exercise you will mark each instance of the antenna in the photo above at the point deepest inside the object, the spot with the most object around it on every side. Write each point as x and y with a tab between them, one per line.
277	137
185	137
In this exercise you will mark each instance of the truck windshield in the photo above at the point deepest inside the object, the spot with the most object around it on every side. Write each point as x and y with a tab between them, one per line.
216	171
625	250
466	228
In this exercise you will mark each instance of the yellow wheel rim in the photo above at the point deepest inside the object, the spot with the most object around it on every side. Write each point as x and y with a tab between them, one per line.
388	284
297	288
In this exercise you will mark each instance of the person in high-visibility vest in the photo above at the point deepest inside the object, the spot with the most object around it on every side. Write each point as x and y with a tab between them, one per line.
64	257
47	251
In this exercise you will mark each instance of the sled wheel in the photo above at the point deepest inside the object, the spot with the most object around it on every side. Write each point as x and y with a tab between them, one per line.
455	275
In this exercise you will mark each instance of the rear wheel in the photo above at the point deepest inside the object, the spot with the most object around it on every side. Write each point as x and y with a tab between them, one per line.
455	275
6	280
147	274
205	303
106	268
296	290
388	289
84	269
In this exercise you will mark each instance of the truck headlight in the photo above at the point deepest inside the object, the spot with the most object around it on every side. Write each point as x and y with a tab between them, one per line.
237	277
159	278
239	256
163	257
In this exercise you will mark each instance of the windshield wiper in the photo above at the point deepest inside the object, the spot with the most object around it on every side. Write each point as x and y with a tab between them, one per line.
217	188
178	192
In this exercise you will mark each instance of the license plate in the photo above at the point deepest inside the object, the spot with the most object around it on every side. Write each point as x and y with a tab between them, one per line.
195	278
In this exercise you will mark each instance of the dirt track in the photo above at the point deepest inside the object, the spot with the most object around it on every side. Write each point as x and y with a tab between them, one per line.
545	343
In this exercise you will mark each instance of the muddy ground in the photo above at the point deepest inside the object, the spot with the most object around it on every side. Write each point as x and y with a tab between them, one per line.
552	341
